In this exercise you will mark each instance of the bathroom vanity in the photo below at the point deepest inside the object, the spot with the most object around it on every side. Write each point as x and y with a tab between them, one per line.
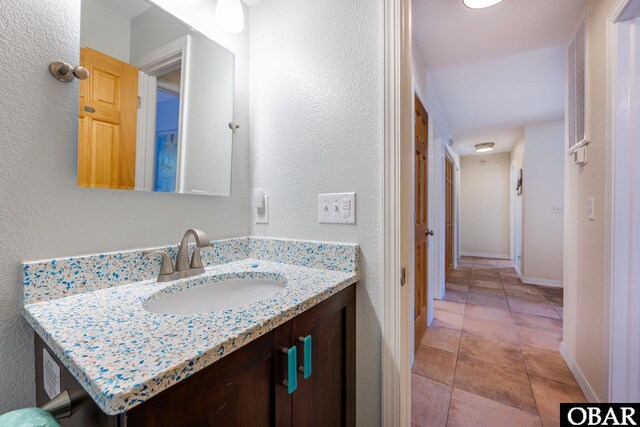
287	359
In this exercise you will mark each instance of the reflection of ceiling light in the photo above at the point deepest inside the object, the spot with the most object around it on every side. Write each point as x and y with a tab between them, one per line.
191	2
480	4
230	16
484	147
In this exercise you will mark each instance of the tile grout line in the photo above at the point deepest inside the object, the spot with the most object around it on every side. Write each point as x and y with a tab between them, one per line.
524	360
476	267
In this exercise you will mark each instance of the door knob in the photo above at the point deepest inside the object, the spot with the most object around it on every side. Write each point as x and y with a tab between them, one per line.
428	232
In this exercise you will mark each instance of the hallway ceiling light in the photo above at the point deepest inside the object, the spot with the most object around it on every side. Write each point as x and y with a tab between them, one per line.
230	16
484	147
480	4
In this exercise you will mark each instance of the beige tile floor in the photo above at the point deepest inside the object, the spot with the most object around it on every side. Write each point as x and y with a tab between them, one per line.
490	357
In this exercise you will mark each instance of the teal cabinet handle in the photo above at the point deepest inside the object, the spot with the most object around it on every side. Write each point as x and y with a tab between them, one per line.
291	382
306	367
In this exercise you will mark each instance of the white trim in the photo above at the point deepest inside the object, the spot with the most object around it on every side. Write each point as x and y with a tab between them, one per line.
622	237
586	388
516	267
434	205
396	224
169	57
484	255
513	180
145	133
542	282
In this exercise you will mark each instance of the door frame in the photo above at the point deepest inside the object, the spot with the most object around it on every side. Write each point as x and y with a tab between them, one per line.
432	202
397	217
513	180
150	64
447	156
622	241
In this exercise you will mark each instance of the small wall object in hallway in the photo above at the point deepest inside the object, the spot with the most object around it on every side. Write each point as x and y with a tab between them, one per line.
519	185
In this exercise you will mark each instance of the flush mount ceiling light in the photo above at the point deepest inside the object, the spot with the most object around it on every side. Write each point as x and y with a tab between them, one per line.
230	16
480	4
484	147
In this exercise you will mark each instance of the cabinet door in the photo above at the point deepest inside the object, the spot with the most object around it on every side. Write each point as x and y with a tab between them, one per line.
327	397
239	389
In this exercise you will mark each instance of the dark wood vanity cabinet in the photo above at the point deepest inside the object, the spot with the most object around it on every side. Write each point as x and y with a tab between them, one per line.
245	388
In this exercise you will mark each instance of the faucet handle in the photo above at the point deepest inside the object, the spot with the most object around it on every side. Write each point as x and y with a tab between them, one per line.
166	267
196	266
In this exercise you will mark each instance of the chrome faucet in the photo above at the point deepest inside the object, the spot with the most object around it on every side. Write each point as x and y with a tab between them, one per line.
183	267
182	262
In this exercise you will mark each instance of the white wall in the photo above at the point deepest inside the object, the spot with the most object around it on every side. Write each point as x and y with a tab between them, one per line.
207	153
484	205
43	212
316	97
584	250
104	30
543	190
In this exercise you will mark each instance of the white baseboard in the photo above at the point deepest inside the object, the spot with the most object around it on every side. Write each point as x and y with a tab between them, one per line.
517	269
579	376
485	255
541	282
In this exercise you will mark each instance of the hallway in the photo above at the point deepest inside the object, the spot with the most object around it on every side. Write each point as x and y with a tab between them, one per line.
490	357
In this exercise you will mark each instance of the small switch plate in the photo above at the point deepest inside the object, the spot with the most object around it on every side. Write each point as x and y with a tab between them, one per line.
337	208
591	208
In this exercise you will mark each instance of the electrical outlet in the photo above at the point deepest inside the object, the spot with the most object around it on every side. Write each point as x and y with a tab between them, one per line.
337	208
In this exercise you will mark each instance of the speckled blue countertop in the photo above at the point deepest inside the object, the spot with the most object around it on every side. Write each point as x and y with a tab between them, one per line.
123	355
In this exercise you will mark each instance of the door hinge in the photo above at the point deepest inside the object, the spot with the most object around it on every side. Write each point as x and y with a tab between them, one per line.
139	102
403	276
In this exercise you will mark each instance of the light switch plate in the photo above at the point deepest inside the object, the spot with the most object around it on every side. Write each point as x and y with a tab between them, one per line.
337	208
591	208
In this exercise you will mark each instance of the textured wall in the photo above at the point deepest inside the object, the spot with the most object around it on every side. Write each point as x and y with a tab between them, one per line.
584	251
543	189
43	213
484	205
316	96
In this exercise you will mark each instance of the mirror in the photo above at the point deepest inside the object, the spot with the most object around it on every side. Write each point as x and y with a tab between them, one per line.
156	113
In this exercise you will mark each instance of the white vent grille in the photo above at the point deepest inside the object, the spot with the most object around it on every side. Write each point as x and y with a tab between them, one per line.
576	108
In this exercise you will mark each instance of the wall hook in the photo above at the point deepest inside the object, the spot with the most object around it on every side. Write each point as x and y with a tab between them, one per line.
233	125
65	72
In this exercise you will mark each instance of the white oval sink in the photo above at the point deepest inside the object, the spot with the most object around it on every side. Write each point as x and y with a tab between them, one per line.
213	295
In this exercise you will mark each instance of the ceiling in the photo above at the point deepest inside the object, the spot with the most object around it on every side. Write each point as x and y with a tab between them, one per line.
503	138
496	69
447	33
502	92
130	9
